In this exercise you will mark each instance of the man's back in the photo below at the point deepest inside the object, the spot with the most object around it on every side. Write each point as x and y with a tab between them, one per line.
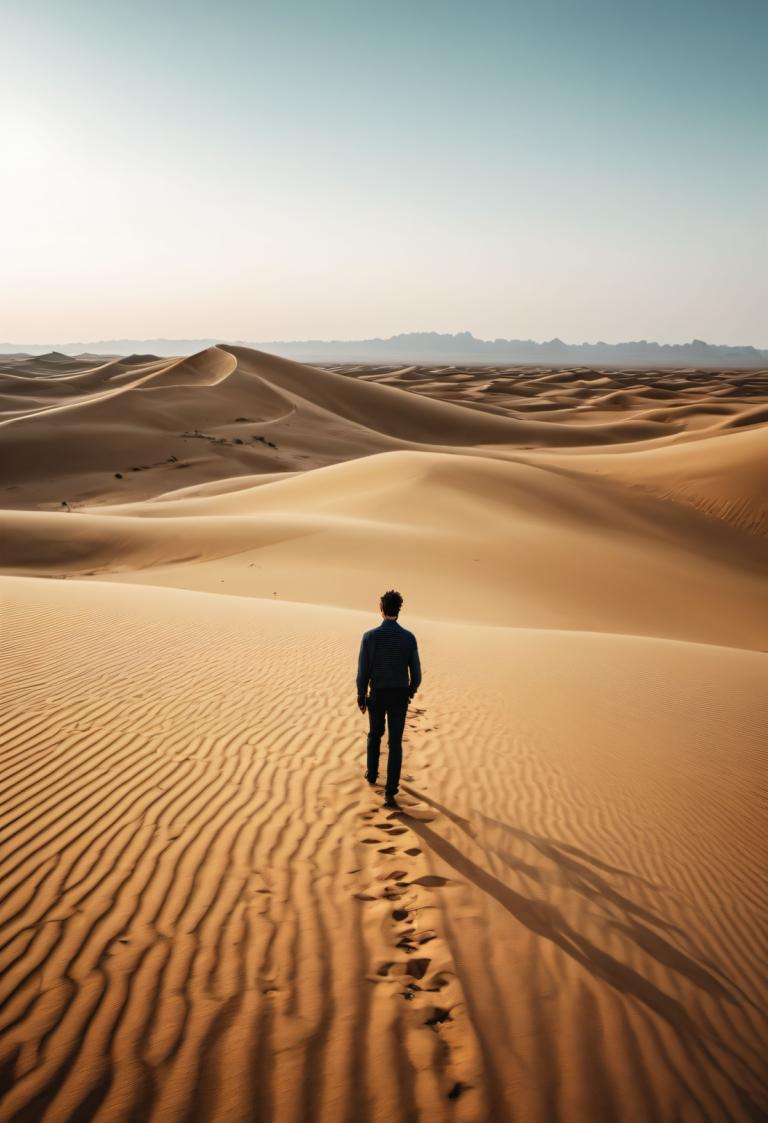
388	655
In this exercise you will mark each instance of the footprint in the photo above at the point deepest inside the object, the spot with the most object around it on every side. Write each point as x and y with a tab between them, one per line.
418	968
389	850
412	852
431	881
439	1015
457	1089
412	968
440	982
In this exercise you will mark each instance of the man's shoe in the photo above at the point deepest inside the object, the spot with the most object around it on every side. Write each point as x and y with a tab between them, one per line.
368	778
390	801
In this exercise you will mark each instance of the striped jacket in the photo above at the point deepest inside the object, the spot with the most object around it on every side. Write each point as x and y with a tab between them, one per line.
387	655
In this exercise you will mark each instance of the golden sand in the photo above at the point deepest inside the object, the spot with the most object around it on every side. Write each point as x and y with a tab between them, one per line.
206	913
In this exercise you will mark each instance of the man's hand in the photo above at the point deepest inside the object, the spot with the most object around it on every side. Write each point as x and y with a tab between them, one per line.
361	704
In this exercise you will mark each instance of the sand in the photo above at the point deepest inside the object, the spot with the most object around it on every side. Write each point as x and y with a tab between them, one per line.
207	915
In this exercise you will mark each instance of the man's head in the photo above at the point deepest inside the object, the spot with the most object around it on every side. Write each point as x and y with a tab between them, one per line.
391	603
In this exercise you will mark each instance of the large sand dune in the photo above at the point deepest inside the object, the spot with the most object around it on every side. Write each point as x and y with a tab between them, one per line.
207	915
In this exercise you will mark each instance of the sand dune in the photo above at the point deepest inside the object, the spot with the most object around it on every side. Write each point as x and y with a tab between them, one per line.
224	922
515	539
724	474
208	916
85	427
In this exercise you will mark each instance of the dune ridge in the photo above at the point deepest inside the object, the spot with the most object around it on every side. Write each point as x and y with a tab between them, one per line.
724	474
516	537
217	421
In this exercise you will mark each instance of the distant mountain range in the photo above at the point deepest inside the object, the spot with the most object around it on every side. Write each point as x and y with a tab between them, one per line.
434	347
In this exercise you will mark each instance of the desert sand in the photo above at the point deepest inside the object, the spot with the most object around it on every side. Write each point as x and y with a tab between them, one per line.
208	915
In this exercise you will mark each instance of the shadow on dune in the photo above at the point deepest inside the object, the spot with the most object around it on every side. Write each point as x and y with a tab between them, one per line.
547	921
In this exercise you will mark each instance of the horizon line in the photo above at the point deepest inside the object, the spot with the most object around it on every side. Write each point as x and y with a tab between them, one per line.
211	340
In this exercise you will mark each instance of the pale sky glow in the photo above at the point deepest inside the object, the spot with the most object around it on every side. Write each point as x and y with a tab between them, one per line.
591	169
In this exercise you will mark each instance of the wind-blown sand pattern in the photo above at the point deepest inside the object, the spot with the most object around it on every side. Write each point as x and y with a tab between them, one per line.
208	915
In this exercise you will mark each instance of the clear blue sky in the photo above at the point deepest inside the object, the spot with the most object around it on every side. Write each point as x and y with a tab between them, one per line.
582	168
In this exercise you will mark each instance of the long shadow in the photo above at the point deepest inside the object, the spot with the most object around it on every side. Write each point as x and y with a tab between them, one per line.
579	876
547	921
586	882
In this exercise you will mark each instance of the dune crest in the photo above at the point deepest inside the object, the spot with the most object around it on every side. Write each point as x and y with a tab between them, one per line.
724	474
206	368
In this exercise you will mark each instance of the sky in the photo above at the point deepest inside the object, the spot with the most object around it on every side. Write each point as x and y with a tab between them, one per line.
587	169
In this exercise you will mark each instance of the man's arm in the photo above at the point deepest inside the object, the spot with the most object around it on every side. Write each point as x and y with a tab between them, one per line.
363	671
414	666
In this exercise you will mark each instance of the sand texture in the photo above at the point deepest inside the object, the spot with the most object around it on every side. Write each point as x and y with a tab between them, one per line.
207	915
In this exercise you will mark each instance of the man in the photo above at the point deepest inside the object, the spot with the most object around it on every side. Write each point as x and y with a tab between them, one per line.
387	655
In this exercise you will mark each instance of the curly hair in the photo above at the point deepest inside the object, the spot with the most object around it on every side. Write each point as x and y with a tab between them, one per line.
391	602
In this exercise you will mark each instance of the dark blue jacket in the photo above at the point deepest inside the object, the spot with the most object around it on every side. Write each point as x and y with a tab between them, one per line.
387	654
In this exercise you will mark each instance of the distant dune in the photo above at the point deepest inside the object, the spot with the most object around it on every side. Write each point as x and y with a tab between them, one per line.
206	913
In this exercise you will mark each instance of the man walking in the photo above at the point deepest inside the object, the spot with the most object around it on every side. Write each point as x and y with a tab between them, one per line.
387	655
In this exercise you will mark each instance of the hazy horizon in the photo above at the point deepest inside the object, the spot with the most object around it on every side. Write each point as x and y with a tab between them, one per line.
209	338
580	170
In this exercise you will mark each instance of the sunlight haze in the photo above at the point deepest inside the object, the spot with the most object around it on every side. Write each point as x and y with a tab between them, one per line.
287	170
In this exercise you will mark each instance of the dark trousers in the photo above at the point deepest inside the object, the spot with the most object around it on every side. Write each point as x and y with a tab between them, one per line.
390	704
